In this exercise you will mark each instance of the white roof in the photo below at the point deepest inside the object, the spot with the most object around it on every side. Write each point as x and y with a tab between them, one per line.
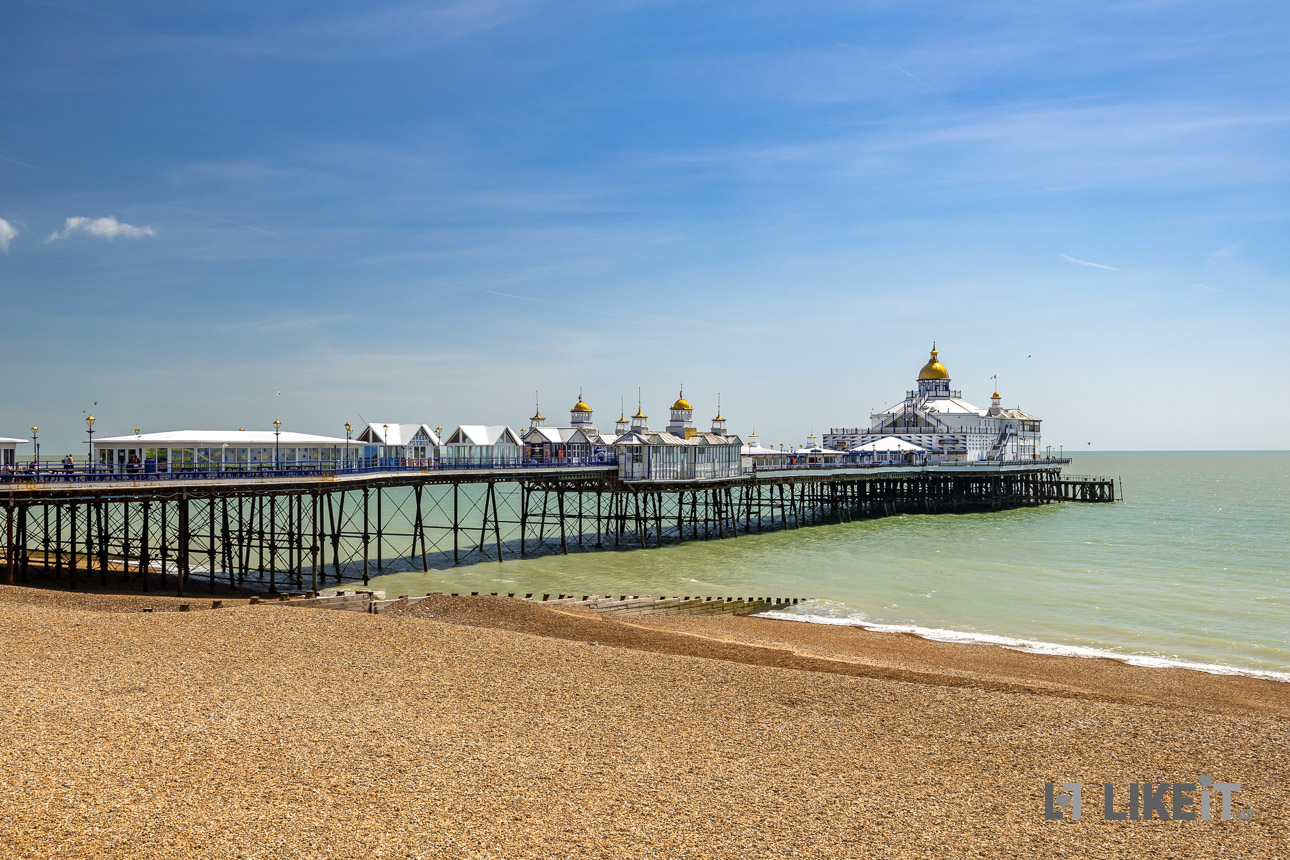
943	405
483	434
557	435
399	435
757	450
4	440
817	450
222	437
888	443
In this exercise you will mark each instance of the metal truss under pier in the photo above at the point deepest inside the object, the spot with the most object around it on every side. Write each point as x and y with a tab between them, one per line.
294	533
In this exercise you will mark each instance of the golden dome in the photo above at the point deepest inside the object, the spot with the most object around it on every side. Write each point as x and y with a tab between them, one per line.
538	416
933	369
580	406
682	403
639	413
994	396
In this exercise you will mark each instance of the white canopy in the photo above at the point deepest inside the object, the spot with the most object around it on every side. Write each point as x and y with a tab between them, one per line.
214	438
887	443
483	434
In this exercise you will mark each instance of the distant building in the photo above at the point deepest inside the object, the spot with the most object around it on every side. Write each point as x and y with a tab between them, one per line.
401	444
946	427
8	449
679	453
221	451
814	454
577	442
755	456
482	444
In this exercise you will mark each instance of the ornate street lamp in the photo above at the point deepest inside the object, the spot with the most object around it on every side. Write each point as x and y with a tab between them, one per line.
89	460
349	429
277	429
387	444
35	447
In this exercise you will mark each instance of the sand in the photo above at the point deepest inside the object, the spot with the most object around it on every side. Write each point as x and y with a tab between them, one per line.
484	727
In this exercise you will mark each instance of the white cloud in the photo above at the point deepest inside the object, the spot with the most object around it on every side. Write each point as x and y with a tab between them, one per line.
7	232
1087	263
103	228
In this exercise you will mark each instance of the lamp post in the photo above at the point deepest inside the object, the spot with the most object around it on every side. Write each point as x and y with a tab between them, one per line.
35	447
387	444
349	428
277	428
89	458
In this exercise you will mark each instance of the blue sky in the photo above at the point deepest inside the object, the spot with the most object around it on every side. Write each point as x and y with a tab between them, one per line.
426	211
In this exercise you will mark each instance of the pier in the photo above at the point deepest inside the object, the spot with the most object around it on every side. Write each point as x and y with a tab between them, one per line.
284	531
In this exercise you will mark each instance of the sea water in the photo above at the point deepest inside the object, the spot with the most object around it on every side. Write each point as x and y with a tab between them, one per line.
1190	567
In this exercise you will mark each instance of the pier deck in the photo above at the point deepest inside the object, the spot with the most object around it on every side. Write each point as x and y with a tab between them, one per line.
296	531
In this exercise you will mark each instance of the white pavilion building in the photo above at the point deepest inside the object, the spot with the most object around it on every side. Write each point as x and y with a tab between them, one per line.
680	452
947	428
8	451
410	444
482	445
577	442
239	450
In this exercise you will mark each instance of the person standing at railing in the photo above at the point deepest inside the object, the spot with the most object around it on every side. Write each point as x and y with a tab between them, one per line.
69	465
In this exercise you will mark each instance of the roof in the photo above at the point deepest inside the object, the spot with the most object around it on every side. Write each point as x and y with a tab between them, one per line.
757	451
816	449
398	435
951	405
888	443
5	440
1016	413
558	435
483	434
223	437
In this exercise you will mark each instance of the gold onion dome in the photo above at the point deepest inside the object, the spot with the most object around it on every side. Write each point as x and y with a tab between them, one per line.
538	416
994	396
933	369
682	403
581	406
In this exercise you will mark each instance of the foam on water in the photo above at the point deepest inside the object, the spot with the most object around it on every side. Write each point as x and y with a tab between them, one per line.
1029	646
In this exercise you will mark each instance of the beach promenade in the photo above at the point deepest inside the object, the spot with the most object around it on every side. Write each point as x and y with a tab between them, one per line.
486	727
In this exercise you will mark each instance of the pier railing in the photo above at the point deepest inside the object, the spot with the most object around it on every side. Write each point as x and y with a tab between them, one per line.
917	464
57	473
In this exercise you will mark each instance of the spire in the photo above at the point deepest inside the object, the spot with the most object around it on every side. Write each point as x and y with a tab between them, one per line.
538	420
639	420
719	423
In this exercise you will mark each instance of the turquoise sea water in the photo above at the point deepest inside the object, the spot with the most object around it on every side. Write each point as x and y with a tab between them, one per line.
1192	566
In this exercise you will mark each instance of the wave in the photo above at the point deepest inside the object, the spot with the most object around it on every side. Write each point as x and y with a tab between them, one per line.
1030	646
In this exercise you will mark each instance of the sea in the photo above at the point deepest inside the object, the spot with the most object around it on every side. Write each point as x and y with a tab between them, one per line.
1190	567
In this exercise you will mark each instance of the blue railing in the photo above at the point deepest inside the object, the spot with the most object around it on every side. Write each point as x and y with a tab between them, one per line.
57	473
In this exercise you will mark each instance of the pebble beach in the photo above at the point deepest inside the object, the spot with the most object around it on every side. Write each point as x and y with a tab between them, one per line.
488	727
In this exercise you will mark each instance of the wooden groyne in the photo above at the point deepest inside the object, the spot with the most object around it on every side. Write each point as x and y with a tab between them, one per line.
297	534
605	604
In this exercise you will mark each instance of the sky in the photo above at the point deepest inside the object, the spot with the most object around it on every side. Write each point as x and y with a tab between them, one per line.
215	216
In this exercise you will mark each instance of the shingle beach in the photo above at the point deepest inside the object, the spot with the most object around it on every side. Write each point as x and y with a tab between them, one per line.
488	727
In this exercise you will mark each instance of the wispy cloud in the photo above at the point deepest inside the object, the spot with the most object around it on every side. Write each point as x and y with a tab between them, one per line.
1080	262
25	164
7	234
103	228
